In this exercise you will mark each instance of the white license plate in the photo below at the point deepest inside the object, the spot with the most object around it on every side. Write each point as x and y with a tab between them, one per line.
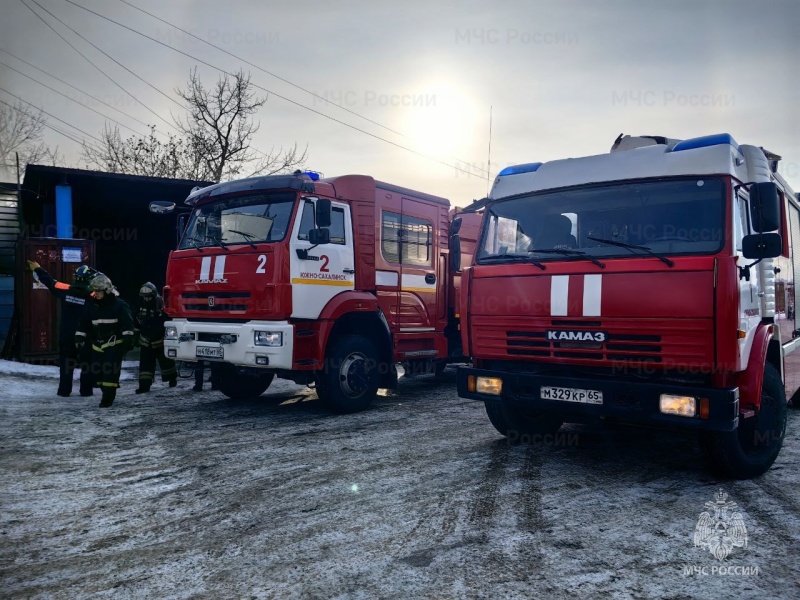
209	352
572	395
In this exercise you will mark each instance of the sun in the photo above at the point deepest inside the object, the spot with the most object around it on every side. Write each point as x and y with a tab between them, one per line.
443	123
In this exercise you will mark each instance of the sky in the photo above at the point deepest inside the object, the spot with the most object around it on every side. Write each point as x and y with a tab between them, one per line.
426	95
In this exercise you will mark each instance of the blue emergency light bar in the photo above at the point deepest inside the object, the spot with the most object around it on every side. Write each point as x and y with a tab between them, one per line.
706	141
517	169
312	174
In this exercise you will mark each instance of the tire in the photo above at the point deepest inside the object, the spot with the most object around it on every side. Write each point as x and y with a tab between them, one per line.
349	382
750	449
239	386
516	424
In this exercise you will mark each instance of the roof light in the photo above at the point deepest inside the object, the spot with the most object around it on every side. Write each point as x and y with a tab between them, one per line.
517	169
706	141
312	174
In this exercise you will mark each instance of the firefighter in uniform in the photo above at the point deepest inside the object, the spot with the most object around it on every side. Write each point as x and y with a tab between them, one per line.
150	319
73	301
106	327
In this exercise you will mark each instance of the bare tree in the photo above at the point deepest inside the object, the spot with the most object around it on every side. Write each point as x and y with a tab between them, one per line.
22	132
219	128
147	156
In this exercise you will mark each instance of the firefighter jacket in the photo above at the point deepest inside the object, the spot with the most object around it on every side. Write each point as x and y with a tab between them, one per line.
150	319
107	326
73	300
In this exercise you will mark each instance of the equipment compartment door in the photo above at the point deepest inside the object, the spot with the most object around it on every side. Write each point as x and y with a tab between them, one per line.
418	248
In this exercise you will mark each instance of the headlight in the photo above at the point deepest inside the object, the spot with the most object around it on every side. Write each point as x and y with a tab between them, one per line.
489	385
170	333
683	406
268	338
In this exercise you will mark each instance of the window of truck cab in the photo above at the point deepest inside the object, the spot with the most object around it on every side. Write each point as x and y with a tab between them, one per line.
308	219
405	240
255	218
669	216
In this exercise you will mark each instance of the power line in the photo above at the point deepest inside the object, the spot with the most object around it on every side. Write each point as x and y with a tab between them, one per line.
256	150
101	51
221	70
73	99
244	60
51	115
67	135
91	63
77	89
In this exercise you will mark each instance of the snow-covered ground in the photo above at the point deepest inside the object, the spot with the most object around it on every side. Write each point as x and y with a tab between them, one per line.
177	494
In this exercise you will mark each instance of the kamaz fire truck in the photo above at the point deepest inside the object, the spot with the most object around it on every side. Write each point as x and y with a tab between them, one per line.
330	281
653	284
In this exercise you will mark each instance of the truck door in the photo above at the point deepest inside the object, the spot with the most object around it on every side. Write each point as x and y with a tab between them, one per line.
419	266
326	270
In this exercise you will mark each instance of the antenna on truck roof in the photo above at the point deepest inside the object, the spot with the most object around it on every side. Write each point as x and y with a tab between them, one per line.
489	155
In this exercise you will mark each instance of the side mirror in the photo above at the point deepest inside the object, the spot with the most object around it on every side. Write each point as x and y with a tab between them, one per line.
762	245
319	237
765	208
455	226
455	252
162	207
180	227
323	212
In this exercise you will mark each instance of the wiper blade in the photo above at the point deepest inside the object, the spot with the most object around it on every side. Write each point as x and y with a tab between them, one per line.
567	252
248	236
631	247
501	258
220	241
194	241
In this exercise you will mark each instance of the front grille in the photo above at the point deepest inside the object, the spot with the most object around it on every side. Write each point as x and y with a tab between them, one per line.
667	343
215	301
215	337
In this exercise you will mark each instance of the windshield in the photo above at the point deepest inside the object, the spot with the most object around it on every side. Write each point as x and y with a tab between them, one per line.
239	220
665	217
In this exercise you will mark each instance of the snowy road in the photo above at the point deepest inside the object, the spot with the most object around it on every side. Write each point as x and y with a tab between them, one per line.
184	495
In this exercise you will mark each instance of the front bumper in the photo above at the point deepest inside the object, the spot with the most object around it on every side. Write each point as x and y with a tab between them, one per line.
629	401
242	352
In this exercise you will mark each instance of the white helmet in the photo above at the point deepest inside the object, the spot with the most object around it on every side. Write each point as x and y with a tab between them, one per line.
101	283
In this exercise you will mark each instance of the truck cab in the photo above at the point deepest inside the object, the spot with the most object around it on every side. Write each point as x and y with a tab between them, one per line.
326	281
639	286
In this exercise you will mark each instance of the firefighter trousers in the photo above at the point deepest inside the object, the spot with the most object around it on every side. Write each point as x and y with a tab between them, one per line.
148	356
70	358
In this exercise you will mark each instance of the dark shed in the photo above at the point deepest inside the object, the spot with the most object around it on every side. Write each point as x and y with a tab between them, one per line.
131	244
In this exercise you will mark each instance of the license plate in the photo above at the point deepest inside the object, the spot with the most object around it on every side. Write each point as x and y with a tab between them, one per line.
209	352
572	395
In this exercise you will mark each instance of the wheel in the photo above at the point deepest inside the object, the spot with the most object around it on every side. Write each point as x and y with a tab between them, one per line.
349	382
521	425
753	446
239	385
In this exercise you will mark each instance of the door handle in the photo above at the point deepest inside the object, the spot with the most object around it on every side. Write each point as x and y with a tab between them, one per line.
348	271
430	278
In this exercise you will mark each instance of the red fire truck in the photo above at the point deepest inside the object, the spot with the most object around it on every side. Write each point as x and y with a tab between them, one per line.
653	284
330	281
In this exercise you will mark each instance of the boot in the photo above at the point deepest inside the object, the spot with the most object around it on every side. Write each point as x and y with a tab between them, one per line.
173	382
197	388
142	389
108	397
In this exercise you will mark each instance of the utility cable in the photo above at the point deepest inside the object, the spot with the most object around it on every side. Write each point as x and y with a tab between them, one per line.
94	65
73	99
299	104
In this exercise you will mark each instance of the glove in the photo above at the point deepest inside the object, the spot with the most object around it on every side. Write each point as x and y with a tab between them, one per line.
33	265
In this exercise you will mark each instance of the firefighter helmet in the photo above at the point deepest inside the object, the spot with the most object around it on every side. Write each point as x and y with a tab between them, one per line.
101	283
84	274
148	291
